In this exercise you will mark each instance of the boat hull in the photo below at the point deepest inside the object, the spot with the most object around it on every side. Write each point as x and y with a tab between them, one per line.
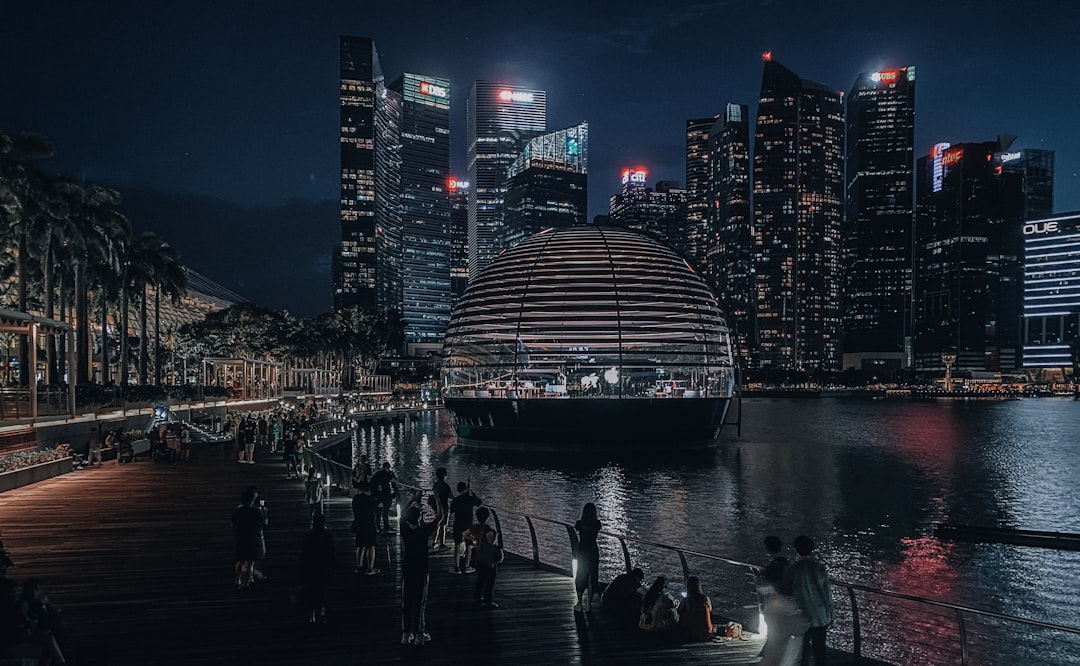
588	425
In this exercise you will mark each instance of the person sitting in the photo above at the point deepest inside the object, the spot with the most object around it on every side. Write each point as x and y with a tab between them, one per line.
39	623
659	612
623	595
695	614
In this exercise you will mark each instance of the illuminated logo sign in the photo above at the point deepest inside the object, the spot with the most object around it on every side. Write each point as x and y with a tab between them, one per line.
635	176
455	184
427	88
938	177
1009	157
515	96
951	157
1040	228
884	77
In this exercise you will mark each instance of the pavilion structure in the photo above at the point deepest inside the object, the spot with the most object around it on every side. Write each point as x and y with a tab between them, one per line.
23	400
247	378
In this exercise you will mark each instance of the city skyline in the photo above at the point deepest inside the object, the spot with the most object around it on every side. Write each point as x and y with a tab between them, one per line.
244	126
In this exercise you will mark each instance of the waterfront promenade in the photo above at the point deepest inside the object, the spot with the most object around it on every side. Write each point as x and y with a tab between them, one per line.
140	558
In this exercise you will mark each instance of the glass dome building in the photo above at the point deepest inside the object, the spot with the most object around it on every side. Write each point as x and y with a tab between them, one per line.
588	338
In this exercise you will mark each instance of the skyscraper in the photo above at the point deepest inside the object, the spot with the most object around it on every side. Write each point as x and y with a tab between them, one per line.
548	184
798	205
968	275
459	237
354	259
423	210
660	214
730	264
501	119
1052	293
1037	168
880	221
697	190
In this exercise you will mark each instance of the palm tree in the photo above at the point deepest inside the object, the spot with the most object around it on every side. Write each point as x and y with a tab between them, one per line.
154	263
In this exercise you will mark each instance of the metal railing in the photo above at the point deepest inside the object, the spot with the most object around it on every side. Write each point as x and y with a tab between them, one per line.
871	622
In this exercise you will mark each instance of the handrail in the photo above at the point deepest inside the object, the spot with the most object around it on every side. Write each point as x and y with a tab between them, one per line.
342	475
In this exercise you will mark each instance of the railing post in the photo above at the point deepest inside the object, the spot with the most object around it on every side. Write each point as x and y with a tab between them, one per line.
535	547
626	555
856	630
685	570
963	637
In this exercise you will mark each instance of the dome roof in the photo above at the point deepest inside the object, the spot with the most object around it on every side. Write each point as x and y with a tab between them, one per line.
567	308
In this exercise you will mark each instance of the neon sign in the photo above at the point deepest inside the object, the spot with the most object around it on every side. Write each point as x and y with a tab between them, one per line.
427	88
454	184
884	77
1009	157
635	176
938	177
951	157
1040	228
515	96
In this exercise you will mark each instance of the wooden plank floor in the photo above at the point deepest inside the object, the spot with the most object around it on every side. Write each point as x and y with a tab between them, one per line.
140	558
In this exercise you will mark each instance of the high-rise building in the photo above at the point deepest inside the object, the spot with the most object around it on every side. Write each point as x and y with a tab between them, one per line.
547	185
968	276
697	191
501	119
423	210
880	221
354	259
1037	168
798	210
730	260
660	214
459	237
1052	292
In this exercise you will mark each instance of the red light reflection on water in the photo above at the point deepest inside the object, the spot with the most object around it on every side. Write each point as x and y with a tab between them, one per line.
444	436
928	439
925	569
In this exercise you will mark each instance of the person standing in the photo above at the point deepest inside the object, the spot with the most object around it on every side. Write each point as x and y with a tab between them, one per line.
487	558
185	443
313	496
385	484
414	579
778	609
365	528
317	562
247	522
588	558
808	583
462	509
93	449
441	491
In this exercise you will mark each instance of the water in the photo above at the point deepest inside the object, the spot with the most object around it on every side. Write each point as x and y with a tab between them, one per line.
866	479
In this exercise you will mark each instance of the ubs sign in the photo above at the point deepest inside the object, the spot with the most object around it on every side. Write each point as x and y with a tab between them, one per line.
1040	228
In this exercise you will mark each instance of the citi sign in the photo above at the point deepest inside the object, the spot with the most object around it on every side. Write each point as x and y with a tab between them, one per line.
1040	228
515	96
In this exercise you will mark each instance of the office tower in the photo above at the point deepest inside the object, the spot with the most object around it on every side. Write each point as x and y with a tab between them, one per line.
1037	168
501	119
730	261
459	237
697	191
880	219
968	229
547	185
798	205
1052	294
354	259
660	214
420	262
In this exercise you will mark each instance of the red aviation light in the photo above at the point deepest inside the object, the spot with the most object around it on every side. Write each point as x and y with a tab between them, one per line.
451	184
767	56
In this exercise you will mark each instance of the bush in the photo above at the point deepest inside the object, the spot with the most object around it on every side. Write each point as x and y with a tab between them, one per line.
10	462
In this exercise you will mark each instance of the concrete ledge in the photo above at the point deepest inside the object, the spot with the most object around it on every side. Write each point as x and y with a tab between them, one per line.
33	474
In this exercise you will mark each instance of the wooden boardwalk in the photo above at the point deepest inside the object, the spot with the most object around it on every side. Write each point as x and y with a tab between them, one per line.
140	558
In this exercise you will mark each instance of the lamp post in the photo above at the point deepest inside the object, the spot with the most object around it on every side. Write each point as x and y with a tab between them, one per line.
948	360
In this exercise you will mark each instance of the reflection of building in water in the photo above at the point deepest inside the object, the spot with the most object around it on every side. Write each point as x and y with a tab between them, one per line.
592	314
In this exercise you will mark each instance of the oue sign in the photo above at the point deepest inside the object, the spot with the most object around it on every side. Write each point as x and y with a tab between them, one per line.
1040	228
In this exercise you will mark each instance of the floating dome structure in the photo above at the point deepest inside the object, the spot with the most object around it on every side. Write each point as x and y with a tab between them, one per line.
588	338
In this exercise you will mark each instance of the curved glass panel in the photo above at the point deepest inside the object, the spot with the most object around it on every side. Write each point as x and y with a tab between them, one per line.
588	312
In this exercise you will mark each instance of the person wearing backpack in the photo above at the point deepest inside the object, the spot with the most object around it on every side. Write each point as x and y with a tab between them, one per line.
488	556
313	496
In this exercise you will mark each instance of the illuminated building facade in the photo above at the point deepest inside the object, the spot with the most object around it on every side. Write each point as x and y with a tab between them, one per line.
699	239
1037	168
660	214
354	259
422	210
1052	291
501	119
968	276
798	181
880	221
459	237
730	262
547	185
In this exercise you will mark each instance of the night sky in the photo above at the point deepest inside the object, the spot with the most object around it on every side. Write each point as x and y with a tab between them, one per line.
219	120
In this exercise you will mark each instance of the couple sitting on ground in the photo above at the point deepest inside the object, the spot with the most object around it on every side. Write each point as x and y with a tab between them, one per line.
655	610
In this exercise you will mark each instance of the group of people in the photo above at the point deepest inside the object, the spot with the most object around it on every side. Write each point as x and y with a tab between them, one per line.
797	604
